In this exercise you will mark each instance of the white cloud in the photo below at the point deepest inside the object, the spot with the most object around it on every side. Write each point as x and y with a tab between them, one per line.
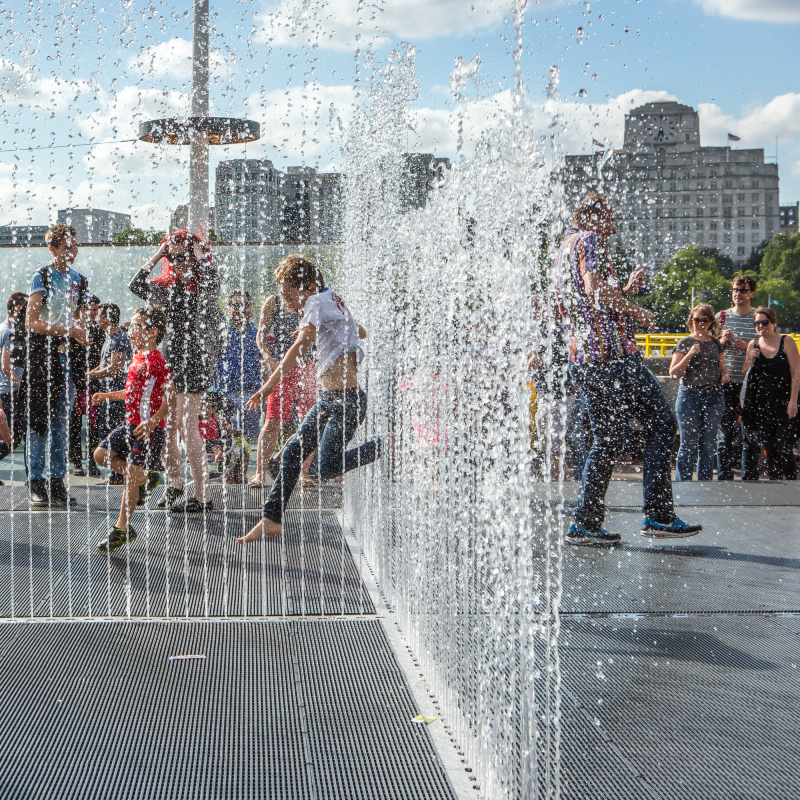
345	24
20	85
758	127
172	59
755	10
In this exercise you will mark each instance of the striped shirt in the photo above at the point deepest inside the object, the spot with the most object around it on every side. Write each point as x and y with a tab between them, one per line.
598	333
742	327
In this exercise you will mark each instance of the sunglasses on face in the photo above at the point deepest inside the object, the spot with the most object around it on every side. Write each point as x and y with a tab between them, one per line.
141	326
700	320
740	290
761	323
238	305
176	257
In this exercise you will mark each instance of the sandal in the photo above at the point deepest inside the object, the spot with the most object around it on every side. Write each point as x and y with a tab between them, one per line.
307	482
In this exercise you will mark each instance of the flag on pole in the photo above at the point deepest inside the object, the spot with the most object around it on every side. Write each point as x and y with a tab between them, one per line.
598	144
771	301
732	138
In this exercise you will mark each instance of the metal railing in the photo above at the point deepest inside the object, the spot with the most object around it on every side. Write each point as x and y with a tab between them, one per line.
665	342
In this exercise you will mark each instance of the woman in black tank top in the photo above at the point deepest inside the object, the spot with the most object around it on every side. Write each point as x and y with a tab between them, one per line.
769	406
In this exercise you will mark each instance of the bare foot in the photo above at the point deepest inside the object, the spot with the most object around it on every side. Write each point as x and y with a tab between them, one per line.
264	528
307	482
255	482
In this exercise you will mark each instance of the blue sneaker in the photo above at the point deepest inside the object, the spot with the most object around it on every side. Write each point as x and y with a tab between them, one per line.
602	538
677	529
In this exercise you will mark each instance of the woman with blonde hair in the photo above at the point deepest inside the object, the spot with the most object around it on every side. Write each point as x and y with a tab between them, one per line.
698	362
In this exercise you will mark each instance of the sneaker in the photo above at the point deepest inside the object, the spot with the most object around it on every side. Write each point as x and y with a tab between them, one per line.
146	488
37	490
191	506
58	494
116	538
602	538
94	470
171	496
78	472
677	529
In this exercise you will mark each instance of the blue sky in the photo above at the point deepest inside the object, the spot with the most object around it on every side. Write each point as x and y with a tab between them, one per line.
93	71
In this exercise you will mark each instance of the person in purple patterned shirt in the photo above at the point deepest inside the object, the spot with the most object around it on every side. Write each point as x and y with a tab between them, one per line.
615	383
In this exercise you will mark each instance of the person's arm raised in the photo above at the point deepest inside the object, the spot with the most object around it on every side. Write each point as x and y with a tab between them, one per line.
305	337
680	362
139	285
605	294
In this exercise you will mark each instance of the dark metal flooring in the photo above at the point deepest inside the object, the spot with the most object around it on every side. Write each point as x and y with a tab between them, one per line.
285	710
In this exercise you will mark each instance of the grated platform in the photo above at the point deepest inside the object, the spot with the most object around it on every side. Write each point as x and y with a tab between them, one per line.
276	710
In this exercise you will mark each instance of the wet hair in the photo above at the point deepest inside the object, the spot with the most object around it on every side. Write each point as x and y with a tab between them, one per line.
246	296
593	205
92	299
708	312
111	312
16	299
298	272
153	317
768	312
746	279
168	275
57	234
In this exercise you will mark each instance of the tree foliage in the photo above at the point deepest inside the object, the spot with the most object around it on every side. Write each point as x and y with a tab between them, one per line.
782	260
138	236
671	295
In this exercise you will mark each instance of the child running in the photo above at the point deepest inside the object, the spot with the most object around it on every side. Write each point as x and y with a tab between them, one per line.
136	444
341	405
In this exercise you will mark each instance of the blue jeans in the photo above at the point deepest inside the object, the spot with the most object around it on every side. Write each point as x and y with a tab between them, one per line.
327	428
699	412
614	390
57	434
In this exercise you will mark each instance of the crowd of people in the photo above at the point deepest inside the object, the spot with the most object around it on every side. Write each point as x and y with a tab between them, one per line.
739	383
175	381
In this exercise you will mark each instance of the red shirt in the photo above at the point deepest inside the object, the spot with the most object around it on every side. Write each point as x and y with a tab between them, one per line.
144	390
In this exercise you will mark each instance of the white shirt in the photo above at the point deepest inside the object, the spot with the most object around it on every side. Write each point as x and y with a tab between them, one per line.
337	331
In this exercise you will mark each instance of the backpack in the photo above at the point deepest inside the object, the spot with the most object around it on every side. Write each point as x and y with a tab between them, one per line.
18	339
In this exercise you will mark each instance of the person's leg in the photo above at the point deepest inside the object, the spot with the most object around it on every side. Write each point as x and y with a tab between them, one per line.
172	452
599	384
339	430
267	440
714	408
75	427
59	431
188	414
751	455
688	409
297	449
134	478
726	432
574	435
650	406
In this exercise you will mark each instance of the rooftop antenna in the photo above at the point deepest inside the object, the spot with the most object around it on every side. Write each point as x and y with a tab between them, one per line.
199	130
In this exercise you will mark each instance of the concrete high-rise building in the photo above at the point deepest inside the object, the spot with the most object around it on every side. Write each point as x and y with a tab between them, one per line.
22	234
248	201
668	191
298	186
94	225
421	173
789	219
327	222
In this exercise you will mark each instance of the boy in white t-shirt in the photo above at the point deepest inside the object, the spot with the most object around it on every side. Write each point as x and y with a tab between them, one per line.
341	405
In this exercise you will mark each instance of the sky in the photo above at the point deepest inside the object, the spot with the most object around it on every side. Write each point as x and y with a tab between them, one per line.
83	72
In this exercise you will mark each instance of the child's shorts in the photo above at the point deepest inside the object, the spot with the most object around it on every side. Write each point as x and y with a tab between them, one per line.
139	452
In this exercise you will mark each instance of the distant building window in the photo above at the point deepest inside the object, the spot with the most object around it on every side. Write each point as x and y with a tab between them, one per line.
712	237
754	224
740	251
727	224
700	187
754	237
699	225
726	237
741	197
740	212
701	237
712	225
739	237
699	212
755	197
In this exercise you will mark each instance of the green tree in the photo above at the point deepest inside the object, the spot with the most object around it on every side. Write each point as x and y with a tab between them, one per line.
131	236
623	265
687	270
753	264
782	260
724	262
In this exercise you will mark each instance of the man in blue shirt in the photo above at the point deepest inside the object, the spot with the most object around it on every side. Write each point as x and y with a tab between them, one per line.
239	369
56	292
12	377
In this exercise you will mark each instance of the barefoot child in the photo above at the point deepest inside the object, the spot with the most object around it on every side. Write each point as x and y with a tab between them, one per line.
136	444
341	405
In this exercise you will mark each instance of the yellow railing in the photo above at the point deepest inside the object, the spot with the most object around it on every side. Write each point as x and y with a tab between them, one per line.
664	343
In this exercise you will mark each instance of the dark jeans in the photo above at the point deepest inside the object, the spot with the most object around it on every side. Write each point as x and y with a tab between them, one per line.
614	390
14	406
75	444
327	428
778	441
699	412
726	433
575	438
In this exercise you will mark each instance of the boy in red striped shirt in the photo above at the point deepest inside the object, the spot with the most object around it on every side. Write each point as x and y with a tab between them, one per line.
135	446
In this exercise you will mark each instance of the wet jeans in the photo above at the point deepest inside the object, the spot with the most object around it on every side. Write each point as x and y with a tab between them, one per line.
614	390
327	428
699	412
57	435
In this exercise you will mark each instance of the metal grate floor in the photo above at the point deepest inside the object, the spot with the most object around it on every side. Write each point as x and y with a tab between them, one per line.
283	710
688	707
178	566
